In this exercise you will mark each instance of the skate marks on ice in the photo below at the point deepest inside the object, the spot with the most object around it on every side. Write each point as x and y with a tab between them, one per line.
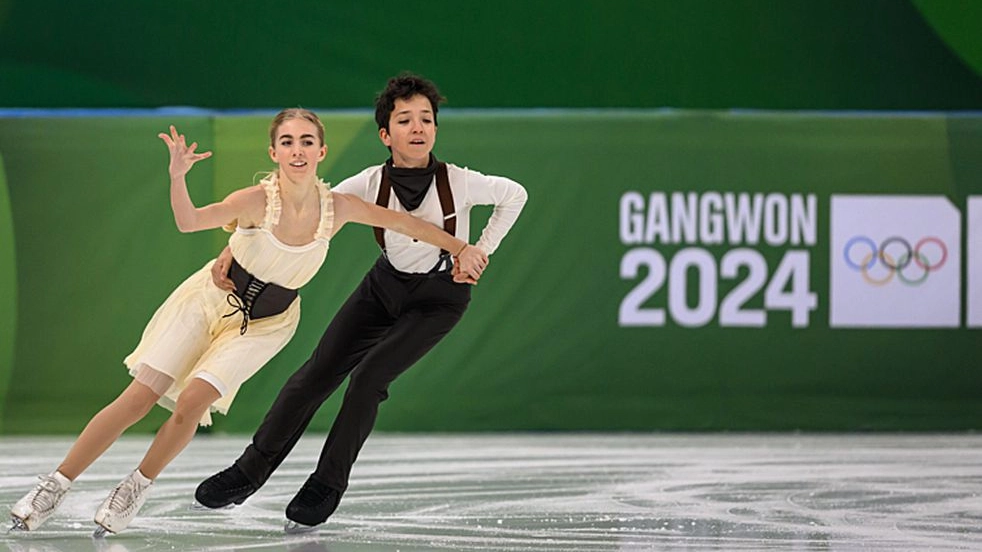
550	492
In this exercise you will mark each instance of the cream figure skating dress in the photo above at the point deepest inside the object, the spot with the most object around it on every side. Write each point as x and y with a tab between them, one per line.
197	331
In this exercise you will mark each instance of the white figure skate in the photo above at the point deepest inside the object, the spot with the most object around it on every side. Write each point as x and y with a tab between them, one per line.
122	504
37	506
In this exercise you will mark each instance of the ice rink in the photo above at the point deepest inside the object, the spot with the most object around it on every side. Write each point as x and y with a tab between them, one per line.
548	492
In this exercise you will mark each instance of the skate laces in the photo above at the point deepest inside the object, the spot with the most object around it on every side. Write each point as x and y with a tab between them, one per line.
47	494
124	495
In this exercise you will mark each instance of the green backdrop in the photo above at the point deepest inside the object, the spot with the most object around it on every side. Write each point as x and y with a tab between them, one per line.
790	98
8	282
769	54
541	348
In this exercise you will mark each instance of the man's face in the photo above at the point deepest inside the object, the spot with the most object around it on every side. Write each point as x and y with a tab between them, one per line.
412	132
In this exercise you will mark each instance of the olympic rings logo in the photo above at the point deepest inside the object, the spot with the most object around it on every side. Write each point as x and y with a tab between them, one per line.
897	256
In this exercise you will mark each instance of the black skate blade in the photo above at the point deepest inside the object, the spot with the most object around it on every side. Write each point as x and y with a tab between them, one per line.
293	528
100	532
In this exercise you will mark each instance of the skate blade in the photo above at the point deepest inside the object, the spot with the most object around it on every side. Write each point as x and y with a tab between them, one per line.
294	528
197	506
100	532
18	524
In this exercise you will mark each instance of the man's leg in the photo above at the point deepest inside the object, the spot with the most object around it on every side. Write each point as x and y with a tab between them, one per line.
413	335
361	321
359	324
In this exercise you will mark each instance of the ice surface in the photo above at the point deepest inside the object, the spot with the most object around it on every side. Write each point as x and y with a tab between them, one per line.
547	492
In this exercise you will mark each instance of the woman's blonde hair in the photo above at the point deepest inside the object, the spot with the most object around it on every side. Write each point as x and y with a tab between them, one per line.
295	113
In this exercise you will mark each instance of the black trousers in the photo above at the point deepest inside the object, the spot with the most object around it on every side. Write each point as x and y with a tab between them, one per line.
389	322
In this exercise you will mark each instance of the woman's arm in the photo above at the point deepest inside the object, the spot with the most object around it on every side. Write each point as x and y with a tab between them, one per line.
348	208
188	217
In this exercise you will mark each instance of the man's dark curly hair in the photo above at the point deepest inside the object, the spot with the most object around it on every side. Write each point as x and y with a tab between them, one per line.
402	87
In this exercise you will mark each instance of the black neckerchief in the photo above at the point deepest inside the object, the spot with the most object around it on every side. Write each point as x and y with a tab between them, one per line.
411	185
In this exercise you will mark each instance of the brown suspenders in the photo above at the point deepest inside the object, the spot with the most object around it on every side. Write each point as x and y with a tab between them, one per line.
442	189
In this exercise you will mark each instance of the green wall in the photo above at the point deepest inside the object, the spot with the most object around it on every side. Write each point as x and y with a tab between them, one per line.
8	283
545	345
767	54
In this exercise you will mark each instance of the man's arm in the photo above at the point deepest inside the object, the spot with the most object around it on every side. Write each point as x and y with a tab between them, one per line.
219	270
507	197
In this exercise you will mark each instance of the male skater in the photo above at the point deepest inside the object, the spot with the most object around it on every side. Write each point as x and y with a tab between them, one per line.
410	299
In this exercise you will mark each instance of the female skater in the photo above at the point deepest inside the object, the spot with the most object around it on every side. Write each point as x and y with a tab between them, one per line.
203	343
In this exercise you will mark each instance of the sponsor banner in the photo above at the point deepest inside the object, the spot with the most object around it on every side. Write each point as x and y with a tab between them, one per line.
688	271
722	264
895	262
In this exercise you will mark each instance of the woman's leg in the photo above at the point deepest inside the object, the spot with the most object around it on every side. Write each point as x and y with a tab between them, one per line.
105	427
178	430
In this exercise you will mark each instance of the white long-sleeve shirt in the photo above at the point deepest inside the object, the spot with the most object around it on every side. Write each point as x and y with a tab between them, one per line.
469	188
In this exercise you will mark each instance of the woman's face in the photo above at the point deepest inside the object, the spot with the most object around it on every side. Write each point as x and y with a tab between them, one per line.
412	132
297	149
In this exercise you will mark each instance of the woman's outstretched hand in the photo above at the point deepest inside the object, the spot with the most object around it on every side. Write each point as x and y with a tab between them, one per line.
182	156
